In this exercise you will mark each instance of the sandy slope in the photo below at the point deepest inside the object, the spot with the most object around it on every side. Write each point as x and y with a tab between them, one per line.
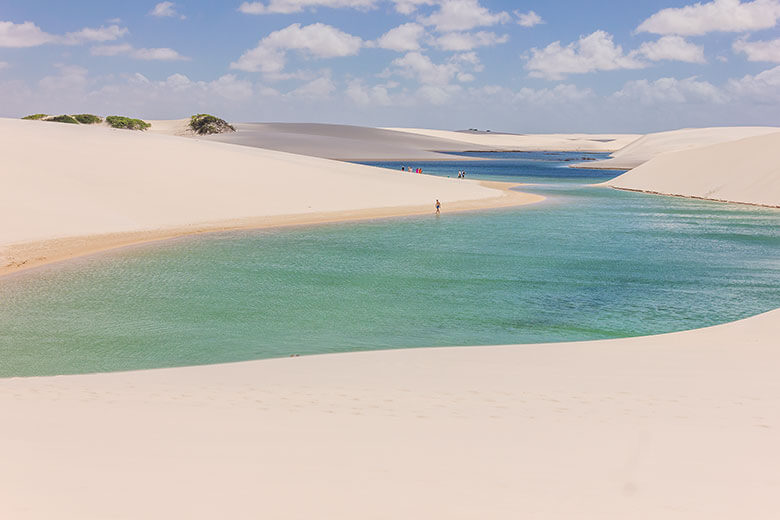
532	142
681	426
62	180
745	170
345	142
651	145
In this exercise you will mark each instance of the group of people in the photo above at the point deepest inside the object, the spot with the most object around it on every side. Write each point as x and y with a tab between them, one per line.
409	169
461	174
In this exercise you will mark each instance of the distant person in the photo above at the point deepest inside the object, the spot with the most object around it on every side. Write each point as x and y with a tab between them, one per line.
438	207
402	168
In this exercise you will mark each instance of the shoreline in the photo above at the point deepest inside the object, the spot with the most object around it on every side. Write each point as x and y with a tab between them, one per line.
692	197
28	255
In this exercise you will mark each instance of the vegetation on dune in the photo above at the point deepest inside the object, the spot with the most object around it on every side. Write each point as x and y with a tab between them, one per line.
62	119
204	124
126	122
36	117
88	119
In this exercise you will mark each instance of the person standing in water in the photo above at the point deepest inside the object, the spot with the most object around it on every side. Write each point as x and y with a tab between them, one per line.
438	207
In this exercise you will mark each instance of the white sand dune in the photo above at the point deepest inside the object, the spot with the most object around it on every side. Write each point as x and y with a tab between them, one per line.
531	142
745	171
679	426
345	142
62	180
651	145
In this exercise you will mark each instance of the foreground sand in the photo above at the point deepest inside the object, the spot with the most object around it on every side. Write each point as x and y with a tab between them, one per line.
69	190
680	426
745	171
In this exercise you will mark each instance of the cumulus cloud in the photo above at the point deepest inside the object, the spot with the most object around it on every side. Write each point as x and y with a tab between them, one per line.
718	15
410	6
320	88
377	95
763	87
671	90
759	50
528	19
405	37
297	6
674	48
462	15
463	41
155	54
165	10
91	35
28	34
419	66
317	40
25	34
596	51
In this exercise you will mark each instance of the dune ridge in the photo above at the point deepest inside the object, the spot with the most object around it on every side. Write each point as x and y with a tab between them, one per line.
746	171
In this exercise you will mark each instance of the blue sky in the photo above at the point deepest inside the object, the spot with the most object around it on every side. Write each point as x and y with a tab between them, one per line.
513	66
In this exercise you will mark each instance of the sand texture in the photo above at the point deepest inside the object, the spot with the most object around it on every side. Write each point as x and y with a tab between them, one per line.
679	426
531	142
745	171
66	181
344	142
651	145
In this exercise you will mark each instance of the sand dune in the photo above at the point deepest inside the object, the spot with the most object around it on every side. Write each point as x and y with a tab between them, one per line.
745	170
344	142
651	145
679	426
63	180
531	142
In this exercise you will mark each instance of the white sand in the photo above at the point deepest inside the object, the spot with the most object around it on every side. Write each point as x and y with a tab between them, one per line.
62	180
681	426
532	142
745	170
651	145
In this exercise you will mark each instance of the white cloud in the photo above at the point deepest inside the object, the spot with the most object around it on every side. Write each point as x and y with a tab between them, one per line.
674	48
759	51
420	66
3	65
99	34
462	15
296	6
718	15
528	19
157	54
317	40
590	53
166	10
764	87
410	6
560	93
70	77
463	41
318	89
378	95
25	34
405	37
671	90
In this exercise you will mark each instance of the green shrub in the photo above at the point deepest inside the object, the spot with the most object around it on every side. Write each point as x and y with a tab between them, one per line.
88	119
126	122
204	124
36	117
62	119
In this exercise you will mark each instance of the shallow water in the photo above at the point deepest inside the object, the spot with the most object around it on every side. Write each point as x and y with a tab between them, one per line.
588	263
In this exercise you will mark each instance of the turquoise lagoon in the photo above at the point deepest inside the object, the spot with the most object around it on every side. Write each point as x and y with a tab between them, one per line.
587	263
